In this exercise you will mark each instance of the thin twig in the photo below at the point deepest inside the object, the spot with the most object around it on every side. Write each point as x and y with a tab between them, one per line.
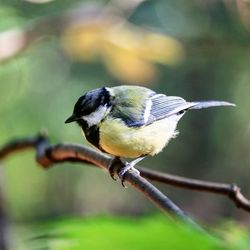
230	190
49	154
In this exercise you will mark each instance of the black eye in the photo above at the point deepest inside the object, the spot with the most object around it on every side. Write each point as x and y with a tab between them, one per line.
181	112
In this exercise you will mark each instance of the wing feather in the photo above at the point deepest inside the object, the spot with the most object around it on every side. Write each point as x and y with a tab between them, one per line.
138	106
132	105
164	106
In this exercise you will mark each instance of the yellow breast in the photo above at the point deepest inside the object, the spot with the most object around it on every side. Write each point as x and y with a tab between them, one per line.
119	140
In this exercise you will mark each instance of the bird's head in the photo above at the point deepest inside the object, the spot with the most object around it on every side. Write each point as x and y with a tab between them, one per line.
92	107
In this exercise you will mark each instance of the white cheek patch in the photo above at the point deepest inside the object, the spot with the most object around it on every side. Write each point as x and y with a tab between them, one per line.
95	117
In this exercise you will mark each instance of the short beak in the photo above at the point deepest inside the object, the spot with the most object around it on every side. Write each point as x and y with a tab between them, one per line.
72	118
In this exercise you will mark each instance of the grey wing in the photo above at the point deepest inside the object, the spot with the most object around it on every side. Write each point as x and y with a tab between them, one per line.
163	106
157	107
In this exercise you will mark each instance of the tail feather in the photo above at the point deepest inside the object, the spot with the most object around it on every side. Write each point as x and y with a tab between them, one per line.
208	104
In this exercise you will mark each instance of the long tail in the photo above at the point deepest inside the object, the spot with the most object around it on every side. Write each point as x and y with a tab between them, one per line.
208	104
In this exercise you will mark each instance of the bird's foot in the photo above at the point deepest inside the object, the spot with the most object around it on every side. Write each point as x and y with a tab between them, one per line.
121	168
114	166
124	170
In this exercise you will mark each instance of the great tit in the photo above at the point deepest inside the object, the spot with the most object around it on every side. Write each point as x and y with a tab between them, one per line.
131	121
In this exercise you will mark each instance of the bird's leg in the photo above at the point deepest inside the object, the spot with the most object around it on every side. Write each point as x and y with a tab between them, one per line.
129	166
116	163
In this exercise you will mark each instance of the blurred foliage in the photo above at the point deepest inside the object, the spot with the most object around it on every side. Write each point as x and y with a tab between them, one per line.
128	52
119	233
53	52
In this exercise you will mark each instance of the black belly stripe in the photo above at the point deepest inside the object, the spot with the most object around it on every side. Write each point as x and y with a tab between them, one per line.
92	135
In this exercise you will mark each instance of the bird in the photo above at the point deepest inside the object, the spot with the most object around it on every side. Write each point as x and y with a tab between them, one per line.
129	121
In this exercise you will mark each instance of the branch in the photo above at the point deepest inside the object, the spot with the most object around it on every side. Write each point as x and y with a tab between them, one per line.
79	153
230	190
47	155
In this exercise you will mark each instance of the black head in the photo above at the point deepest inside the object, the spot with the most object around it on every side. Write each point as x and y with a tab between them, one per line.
90	102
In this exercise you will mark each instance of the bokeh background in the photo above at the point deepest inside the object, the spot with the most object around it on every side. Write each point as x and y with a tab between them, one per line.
51	52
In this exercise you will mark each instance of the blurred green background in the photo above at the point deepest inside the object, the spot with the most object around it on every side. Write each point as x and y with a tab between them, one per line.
51	52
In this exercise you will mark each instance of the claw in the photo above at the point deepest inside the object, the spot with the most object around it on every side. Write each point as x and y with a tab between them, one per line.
124	170
113	167
122	182
111	170
122	173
